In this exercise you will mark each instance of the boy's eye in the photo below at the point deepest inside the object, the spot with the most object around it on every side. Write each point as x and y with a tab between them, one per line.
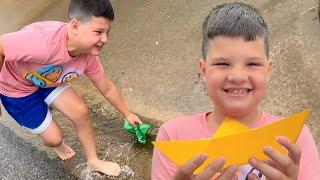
253	64
221	64
98	32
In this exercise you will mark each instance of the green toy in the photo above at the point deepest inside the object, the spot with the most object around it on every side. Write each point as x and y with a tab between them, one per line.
140	131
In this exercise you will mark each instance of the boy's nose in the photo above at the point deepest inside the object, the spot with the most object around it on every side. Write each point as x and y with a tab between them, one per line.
104	38
237	76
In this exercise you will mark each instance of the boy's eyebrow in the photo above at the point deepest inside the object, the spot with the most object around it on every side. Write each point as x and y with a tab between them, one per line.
219	59
255	58
100	29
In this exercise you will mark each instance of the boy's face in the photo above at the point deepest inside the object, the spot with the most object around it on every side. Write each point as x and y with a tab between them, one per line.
92	35
236	73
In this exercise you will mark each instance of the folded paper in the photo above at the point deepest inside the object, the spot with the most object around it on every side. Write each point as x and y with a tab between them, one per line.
234	141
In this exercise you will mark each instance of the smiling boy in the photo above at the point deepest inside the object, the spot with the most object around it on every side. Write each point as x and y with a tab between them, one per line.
236	70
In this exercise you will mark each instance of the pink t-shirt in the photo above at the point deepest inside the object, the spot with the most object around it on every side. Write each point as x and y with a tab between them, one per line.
195	127
37	56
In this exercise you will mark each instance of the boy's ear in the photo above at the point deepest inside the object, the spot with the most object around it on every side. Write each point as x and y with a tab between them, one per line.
269	68
202	69
74	26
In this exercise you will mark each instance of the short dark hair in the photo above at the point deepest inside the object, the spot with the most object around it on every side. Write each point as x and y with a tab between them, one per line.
83	10
234	20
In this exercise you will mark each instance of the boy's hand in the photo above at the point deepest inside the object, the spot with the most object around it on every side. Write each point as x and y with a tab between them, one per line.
211	172
133	119
280	166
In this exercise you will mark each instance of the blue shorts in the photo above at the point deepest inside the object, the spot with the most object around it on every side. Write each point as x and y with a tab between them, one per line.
32	111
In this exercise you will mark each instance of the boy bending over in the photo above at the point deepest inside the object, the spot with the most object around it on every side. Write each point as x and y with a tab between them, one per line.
37	63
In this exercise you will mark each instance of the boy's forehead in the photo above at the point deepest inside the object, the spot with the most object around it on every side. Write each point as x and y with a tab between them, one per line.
98	23
221	39
226	46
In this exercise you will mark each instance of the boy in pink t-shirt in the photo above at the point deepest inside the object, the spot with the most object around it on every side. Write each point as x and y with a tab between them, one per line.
37	63
236	70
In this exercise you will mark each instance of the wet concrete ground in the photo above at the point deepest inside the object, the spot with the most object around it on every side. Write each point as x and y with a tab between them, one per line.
21	160
152	57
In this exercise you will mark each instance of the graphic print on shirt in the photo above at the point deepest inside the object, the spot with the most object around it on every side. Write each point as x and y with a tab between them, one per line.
254	171
70	76
51	72
49	76
245	170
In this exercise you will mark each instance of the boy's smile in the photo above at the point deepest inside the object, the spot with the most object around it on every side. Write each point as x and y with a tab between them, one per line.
235	91
236	73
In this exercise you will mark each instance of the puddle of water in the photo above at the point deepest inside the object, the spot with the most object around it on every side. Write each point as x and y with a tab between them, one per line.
122	154
113	144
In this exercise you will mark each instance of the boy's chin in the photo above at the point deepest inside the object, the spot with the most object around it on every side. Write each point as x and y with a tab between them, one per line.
236	112
95	53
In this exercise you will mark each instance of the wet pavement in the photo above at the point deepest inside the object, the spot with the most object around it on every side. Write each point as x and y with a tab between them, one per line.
113	144
21	160
152	57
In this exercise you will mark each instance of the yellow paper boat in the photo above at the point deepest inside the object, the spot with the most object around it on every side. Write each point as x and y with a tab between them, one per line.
235	142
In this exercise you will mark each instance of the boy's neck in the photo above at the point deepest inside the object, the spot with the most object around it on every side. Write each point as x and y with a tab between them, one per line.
215	118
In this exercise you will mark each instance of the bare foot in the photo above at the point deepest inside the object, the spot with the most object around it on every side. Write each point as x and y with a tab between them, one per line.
64	151
105	167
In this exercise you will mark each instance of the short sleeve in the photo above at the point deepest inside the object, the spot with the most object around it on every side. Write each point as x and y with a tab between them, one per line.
28	45
94	69
309	163
162	168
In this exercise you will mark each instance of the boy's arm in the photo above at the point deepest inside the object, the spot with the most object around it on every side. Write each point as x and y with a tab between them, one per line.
109	90
1	61
310	160
1	54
